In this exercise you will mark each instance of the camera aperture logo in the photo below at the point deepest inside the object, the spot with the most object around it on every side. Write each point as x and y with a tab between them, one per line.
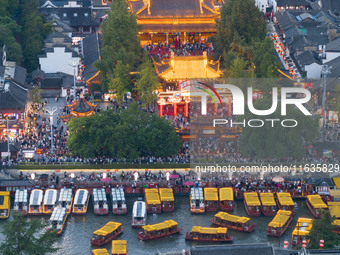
238	106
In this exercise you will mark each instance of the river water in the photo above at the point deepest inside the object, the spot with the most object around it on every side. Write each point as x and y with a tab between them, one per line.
75	239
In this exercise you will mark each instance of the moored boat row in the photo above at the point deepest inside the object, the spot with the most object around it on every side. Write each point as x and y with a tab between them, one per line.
50	201
152	200
36	202
21	202
252	204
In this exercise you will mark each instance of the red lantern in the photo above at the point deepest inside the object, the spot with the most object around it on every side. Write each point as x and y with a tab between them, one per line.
286	242
304	246
321	245
304	241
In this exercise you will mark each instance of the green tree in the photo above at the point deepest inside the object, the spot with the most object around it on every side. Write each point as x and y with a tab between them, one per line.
129	134
323	229
265	62
14	52
121	83
120	38
278	141
36	95
147	82
34	31
239	19
26	237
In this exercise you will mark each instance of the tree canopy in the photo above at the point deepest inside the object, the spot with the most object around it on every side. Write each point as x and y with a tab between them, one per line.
127	134
323	229
26	237
278	141
22	21
147	81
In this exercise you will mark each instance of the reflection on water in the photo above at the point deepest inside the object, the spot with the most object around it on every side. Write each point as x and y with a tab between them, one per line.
78	232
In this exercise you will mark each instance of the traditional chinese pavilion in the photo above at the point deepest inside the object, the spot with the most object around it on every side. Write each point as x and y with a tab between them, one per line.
176	74
80	108
164	20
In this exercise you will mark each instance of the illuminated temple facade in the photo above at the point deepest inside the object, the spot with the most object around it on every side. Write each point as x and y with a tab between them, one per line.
164	20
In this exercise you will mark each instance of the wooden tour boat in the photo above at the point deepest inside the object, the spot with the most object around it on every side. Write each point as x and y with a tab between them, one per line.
197	200
139	214
268	204
81	201
100	252
50	201
202	234
301	231
100	205
233	222
167	199
280	223
5	204
21	202
119	247
118	201
58	219
66	199
36	200
159	230
153	203
226	199
315	205
285	201
107	233
211	199
252	203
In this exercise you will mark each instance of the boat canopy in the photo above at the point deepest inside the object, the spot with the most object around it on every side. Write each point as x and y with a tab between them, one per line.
119	246
107	229
285	199
100	252
50	197
335	193
166	195
303	227
334	209
210	194
65	195
316	201
336	223
21	196
203	230
99	195
36	197
81	197
117	195
232	218
267	199
196	194
152	197
139	209
4	199
280	219
226	194
252	199
159	226
58	214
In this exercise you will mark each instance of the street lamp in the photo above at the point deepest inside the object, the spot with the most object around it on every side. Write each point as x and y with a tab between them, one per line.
74	65
325	71
50	111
